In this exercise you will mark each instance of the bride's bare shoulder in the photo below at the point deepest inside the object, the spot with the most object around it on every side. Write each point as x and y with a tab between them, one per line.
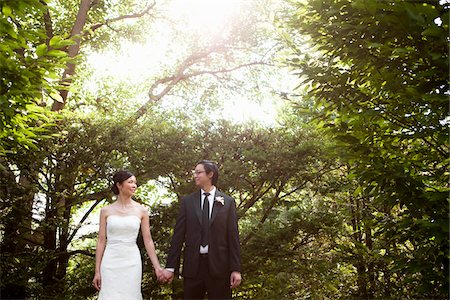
142	209
107	209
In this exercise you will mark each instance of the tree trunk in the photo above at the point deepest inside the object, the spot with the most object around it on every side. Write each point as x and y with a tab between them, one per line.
369	245
63	256
359	259
49	272
72	51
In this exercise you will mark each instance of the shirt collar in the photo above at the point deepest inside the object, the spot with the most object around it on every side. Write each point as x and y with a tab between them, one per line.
211	193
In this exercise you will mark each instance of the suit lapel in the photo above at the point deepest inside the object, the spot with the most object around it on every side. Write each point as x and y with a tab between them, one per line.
198	206
216	207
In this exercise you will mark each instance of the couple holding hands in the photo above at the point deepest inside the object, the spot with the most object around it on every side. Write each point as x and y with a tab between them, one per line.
206	226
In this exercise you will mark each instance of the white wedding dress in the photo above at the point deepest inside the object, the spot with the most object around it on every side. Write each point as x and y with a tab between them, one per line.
121	266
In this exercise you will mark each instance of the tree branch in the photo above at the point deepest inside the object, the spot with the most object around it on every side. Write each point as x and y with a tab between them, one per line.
224	70
181	75
94	196
267	211
73	50
34	242
74	232
47	23
131	16
85	252
303	242
258	195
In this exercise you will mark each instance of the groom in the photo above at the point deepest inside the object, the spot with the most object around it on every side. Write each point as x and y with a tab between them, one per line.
207	226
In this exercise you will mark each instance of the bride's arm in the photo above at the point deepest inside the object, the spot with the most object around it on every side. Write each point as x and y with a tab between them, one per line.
148	242
101	243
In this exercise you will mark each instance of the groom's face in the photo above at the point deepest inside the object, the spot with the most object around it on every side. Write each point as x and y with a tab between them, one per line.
201	177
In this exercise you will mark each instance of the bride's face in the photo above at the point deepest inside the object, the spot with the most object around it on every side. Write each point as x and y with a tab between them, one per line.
128	187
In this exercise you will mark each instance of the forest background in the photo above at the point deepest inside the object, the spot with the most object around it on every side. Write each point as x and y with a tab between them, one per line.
328	120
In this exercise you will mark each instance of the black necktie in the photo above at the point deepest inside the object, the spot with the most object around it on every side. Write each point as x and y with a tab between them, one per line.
205	220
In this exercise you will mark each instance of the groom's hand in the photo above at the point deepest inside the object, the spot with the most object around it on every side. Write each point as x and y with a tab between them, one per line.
167	276
235	279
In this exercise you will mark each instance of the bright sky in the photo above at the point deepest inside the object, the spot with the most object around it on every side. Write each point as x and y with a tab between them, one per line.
142	64
204	16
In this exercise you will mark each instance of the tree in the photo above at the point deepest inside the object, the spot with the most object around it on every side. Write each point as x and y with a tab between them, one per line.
378	79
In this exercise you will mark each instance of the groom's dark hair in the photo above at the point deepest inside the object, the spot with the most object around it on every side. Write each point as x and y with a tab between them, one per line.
210	167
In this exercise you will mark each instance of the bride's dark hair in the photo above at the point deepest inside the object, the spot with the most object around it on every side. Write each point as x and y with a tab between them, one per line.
120	177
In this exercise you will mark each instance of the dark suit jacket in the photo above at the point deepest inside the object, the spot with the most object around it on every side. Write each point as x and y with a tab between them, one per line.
223	247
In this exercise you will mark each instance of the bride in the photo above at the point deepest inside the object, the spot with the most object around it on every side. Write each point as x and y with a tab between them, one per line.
118	266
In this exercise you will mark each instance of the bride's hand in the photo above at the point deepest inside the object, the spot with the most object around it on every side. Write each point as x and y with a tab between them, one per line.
159	274
97	281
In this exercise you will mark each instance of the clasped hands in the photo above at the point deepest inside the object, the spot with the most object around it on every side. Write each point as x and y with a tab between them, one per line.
164	275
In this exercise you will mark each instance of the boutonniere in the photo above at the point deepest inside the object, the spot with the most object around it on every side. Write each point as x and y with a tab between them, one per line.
220	200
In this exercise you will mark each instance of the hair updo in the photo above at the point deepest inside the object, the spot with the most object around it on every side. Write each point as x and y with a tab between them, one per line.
120	177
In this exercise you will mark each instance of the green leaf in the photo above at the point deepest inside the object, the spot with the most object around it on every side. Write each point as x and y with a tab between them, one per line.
374	45
348	139
57	97
371	7
55	40
59	42
7	11
41	50
9	29
56	53
433	30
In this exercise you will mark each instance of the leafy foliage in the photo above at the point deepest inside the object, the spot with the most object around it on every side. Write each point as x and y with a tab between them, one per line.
30	63
379	81
346	196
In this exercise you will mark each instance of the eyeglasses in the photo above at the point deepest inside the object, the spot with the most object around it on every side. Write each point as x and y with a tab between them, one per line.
197	172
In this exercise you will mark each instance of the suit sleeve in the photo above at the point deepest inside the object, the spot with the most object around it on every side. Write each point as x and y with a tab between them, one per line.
173	258
233	239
